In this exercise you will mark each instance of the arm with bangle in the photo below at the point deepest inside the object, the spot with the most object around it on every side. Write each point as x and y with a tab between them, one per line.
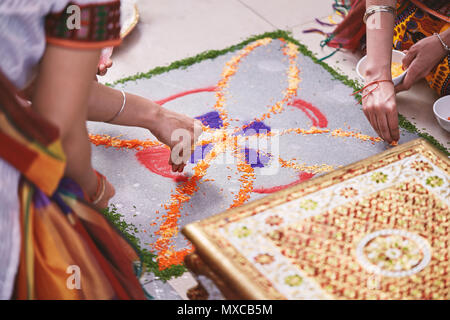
61	92
379	104
123	108
423	56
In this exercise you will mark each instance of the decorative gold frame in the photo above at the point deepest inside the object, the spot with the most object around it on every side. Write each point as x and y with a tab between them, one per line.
238	279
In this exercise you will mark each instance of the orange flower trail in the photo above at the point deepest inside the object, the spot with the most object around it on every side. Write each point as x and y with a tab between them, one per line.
169	228
230	70
291	51
115	142
305	168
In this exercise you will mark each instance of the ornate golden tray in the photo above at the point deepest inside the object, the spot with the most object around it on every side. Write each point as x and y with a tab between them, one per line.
376	229
129	17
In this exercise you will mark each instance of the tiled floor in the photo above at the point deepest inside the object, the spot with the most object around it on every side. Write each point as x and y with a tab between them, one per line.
170	30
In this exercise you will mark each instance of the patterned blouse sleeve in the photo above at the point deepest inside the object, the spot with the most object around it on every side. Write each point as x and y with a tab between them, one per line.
86	26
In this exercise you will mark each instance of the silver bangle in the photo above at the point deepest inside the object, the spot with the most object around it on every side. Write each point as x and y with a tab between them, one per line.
446	47
373	9
121	109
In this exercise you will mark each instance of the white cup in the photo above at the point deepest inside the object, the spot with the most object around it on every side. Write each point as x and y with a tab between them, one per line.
397	57
441	109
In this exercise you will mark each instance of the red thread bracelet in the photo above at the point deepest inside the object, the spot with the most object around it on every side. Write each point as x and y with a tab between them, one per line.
377	82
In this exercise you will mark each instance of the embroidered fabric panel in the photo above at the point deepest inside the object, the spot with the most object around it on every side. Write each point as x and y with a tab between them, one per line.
98	23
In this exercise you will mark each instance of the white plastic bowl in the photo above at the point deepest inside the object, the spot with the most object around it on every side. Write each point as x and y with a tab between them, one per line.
441	109
397	57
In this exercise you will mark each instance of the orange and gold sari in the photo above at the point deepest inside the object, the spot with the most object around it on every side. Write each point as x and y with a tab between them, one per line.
415	22
69	250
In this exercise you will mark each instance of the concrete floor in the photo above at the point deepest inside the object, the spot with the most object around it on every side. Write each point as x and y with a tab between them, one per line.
171	30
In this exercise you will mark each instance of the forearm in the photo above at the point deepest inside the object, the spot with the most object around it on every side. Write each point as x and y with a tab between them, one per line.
78	152
61	92
104	103
379	36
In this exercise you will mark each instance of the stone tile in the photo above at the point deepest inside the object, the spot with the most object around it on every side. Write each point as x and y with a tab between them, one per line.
285	14
417	106
171	30
343	61
159	289
183	283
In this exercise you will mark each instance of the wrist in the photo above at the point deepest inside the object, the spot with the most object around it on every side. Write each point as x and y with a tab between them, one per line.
444	42
153	115
91	187
378	72
445	35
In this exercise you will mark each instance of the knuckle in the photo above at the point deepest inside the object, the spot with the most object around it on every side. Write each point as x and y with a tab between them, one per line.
369	106
391	106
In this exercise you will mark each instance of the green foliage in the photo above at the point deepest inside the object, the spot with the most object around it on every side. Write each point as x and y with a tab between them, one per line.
408	126
148	258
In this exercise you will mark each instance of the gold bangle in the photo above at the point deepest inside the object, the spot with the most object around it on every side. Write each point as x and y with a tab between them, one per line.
373	9
102	192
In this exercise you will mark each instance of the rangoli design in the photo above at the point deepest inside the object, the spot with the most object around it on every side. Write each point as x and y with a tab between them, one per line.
223	133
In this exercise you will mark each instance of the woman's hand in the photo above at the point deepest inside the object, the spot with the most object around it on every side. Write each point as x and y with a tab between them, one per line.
180	133
380	109
105	61
420	59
